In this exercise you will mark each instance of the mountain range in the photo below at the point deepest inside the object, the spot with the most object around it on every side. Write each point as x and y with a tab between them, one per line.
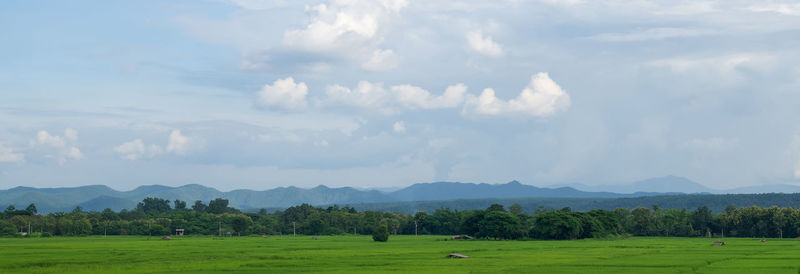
99	197
675	184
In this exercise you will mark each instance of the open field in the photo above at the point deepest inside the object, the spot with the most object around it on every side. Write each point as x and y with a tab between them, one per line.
400	254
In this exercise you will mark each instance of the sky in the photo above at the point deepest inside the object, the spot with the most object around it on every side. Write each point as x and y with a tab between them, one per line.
267	93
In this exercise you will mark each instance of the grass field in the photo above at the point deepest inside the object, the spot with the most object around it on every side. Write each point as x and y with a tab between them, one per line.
400	254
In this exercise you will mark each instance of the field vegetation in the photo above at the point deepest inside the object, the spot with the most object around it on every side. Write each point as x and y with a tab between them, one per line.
418	254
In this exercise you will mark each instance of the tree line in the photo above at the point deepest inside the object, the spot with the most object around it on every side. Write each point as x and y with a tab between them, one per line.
155	216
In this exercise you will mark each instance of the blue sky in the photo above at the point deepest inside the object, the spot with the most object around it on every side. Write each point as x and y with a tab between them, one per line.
261	94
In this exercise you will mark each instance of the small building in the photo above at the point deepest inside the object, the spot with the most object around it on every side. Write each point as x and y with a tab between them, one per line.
179	232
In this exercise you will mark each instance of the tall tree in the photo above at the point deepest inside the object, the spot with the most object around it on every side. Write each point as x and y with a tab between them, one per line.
31	209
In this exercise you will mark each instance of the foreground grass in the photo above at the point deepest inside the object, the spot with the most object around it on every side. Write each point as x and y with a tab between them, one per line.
400	254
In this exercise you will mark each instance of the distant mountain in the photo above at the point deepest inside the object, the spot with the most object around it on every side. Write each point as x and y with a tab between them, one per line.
103	202
716	202
777	188
680	185
99	197
514	189
666	184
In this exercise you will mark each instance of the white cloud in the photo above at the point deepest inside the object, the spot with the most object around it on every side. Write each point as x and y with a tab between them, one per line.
381	60
541	98
399	127
351	28
178	143
375	96
484	45
71	135
7	155
65	147
136	149
413	97
74	153
365	95
284	94
44	138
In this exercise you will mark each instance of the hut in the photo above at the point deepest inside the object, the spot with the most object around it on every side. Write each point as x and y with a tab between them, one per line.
456	255
179	232
718	243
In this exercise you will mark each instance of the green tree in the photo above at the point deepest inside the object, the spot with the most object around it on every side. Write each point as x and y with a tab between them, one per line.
199	206
499	225
218	206
380	233
240	223
642	220
496	207
158	230
7	229
31	209
152	205
556	225
180	204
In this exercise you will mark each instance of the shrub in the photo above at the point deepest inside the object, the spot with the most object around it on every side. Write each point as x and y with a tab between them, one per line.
380	233
7	229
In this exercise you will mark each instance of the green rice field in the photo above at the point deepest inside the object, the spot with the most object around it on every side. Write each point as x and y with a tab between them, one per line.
411	254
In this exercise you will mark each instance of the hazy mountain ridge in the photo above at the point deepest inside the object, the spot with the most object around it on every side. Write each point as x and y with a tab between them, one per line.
675	184
99	197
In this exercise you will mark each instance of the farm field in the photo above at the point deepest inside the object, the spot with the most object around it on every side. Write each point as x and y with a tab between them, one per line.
135	254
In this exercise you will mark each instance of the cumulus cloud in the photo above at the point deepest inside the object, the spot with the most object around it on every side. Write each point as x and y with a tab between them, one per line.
541	98
136	149
177	143
62	148
375	96
413	97
399	127
352	28
364	95
44	138
7	155
283	94
483	44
